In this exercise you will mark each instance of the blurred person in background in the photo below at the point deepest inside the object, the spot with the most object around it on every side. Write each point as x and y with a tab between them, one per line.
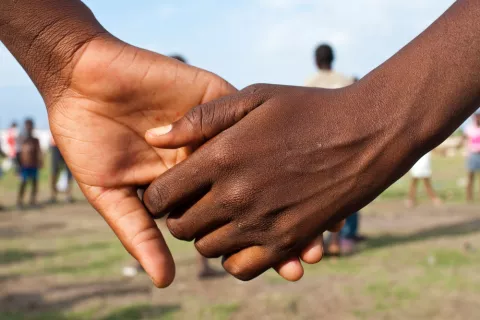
12	135
30	161
344	241
58	164
471	135
326	77
12	145
2	155
422	170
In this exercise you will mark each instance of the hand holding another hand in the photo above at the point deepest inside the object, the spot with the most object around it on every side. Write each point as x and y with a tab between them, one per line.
116	92
261	189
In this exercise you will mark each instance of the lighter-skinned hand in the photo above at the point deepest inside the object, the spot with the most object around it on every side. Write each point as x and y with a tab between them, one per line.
117	92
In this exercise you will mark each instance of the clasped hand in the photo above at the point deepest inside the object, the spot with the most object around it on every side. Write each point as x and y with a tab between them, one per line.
111	93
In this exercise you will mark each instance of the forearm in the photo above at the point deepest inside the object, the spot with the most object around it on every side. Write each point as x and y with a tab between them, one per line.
44	36
430	87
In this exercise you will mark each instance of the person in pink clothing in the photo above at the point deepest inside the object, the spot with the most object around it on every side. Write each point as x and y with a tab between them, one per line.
12	135
472	136
12	145
2	155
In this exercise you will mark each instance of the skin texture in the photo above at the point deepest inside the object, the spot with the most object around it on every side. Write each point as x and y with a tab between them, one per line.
269	193
102	95
285	163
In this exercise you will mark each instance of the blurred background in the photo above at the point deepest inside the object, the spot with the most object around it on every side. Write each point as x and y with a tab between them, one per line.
412	254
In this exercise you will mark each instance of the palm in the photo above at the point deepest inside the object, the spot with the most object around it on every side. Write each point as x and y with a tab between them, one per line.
116	93
125	91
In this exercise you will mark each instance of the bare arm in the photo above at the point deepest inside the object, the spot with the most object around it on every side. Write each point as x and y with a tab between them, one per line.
44	36
302	158
429	88
100	92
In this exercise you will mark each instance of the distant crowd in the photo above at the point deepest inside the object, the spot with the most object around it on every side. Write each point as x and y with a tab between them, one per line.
422	170
25	157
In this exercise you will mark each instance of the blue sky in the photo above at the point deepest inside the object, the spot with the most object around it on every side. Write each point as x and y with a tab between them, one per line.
245	41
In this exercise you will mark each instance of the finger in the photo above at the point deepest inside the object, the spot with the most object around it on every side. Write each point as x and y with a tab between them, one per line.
313	253
337	227
185	182
138	232
222	242
205	121
250	263
290	270
226	240
194	221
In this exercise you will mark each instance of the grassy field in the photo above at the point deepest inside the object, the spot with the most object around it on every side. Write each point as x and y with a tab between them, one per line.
62	262
449	180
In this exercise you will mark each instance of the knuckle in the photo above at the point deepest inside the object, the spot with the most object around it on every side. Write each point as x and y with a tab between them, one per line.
194	117
288	241
178	230
256	88
205	249
238	272
224	153
237	196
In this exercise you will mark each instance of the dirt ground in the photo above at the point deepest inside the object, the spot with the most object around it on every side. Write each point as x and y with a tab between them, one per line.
62	262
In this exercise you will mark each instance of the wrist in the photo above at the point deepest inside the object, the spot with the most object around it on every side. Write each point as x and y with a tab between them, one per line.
45	37
387	130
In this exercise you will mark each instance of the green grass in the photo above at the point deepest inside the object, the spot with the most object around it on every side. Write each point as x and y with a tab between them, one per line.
447	172
445	258
219	311
133	312
143	312
41	316
385	292
10	256
9	181
101	260
396	275
87	315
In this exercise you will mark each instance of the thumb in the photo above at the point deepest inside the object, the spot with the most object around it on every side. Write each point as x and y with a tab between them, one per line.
205	121
135	228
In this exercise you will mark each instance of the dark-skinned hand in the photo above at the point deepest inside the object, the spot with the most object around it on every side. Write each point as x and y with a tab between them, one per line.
260	191
301	159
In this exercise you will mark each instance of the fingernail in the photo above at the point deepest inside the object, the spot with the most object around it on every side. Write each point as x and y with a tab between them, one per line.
159	131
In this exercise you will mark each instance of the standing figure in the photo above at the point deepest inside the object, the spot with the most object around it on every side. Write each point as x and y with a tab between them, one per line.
344	241
422	170
472	135
58	164
30	161
2	155
12	145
